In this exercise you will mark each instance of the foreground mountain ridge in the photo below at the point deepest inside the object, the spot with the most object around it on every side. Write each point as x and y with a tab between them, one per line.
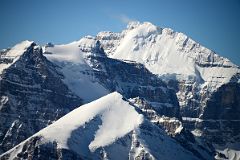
108	128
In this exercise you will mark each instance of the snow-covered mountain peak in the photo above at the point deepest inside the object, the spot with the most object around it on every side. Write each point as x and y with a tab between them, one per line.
165	74
9	56
115	115
168	31
166	52
135	24
88	41
19	48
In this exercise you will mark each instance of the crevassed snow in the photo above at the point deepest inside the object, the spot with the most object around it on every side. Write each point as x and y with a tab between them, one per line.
14	53
72	60
117	116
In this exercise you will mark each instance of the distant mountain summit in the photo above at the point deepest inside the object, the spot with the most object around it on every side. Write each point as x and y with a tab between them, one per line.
163	89
166	52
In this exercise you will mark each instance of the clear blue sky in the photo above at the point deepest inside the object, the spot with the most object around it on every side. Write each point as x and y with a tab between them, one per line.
213	23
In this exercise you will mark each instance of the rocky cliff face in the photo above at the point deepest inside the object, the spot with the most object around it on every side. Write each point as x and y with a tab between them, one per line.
220	119
32	96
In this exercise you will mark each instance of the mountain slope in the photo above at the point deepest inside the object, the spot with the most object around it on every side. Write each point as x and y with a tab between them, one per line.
108	128
72	58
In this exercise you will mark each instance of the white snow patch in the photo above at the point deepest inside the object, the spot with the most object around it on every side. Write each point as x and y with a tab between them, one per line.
179	129
231	154
3	100
14	53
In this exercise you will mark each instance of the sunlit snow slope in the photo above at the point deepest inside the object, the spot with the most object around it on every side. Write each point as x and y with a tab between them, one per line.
71	58
164	51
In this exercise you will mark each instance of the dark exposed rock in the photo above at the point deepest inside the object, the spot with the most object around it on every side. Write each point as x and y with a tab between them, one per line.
219	122
214	114
224	103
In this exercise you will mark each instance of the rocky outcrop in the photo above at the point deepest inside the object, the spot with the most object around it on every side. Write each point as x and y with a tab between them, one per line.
224	104
34	149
